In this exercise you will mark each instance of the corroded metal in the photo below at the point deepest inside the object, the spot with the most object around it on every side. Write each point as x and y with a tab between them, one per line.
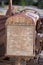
20	36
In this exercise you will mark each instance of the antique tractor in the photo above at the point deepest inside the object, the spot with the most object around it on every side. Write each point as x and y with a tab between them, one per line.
18	35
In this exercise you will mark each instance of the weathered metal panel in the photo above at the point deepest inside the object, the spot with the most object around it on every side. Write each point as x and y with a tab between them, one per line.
20	36
20	40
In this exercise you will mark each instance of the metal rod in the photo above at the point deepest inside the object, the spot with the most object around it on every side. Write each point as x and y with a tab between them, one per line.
10	4
10	7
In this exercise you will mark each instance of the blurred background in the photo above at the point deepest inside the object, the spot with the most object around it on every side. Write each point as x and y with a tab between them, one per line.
37	3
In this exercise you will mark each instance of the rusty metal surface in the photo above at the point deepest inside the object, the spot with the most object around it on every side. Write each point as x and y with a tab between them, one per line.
2	34
16	20
20	19
20	36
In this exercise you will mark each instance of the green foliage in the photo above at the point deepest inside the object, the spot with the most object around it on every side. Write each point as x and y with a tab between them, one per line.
30	2
2	3
16	2
26	2
23	2
40	4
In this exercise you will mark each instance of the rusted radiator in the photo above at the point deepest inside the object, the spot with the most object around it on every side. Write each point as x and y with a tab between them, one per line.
20	31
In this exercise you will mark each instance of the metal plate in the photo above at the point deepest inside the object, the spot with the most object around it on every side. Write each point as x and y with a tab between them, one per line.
20	40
